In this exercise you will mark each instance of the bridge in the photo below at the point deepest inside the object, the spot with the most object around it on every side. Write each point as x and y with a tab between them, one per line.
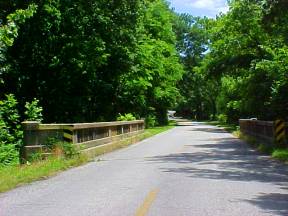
193	169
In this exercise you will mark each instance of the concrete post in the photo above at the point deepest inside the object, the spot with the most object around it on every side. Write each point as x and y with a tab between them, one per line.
30	139
110	132
30	133
130	128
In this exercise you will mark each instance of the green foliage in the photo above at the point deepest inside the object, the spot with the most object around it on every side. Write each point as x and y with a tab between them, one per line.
68	148
85	61
280	154
8	154
10	31
13	176
265	148
33	158
198	91
251	72
152	85
10	122
50	142
61	148
152	131
244	68
222	118
126	117
33	111
150	121
120	50
10	131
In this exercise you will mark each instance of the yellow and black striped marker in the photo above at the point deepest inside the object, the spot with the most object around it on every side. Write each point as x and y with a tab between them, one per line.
68	134
279	126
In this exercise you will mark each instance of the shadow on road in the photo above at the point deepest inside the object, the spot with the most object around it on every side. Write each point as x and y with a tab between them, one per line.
275	203
234	161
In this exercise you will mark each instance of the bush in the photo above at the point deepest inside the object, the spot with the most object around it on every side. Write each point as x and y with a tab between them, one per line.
69	149
222	118
10	131
265	149
11	134
33	111
161	117
126	117
61	148
281	154
8	154
150	121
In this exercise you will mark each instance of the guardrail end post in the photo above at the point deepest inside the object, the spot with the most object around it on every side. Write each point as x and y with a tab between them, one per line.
30	138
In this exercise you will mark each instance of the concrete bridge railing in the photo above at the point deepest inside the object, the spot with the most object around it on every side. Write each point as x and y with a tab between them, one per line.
87	135
263	131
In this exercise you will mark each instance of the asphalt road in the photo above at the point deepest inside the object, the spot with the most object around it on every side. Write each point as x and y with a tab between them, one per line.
193	169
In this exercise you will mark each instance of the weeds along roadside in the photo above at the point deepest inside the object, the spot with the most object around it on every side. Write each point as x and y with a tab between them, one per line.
280	154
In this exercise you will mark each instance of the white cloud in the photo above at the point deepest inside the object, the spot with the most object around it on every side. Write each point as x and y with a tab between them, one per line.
215	6
224	9
201	7
203	4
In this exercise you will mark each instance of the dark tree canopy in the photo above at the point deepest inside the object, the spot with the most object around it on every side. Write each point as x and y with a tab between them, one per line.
244	68
90	60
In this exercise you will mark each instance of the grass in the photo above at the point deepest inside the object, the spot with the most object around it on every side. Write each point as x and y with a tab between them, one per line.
280	154
14	176
276	153
156	130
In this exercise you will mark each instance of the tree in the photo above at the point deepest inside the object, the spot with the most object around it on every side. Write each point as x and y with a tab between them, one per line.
197	89
10	31
82	59
151	88
245	65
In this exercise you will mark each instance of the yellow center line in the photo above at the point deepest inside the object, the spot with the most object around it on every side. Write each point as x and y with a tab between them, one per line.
143	209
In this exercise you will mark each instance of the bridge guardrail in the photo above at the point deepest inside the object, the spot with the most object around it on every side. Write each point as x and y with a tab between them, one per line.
87	135
263	131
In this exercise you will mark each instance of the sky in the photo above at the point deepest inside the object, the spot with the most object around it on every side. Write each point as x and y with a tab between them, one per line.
209	8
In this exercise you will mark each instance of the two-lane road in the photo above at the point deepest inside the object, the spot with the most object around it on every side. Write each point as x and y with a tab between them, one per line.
194	169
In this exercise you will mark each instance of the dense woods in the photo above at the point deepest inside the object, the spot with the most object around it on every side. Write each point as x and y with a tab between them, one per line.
85	61
236	65
90	60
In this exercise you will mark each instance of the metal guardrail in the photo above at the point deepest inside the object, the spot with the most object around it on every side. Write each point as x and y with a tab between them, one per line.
89	135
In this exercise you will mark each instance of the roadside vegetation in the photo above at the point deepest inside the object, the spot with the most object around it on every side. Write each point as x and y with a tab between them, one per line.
13	176
277	153
89	61
159	129
280	154
235	65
